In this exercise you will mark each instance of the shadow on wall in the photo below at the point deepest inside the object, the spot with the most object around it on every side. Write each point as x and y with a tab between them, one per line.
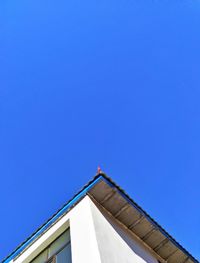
119	233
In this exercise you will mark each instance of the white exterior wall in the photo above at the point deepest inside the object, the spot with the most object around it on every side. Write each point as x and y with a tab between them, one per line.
83	237
116	244
95	238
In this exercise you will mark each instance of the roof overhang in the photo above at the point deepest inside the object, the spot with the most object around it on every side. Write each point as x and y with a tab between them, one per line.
112	198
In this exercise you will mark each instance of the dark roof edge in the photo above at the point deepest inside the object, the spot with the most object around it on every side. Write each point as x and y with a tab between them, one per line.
149	218
67	206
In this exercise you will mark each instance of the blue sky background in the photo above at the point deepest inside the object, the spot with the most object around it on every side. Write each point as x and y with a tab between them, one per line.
109	82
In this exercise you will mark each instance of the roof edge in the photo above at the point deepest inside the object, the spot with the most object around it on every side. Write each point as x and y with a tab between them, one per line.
65	208
149	218
73	201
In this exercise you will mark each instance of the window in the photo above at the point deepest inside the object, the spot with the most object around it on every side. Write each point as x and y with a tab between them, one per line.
58	251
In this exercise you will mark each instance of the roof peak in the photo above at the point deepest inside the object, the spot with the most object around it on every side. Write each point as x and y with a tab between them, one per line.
98	187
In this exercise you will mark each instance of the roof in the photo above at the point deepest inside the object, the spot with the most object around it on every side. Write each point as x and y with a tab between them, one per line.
117	202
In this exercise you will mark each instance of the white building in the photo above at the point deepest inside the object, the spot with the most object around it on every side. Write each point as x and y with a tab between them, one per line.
100	224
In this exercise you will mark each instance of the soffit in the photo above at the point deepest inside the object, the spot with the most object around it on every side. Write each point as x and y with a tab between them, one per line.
124	209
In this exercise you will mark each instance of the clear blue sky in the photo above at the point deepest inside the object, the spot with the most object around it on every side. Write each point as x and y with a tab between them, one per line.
109	82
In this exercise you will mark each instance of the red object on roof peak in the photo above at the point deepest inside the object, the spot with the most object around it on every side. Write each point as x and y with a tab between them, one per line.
99	170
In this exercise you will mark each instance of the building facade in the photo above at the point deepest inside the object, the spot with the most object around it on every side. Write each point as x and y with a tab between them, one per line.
100	224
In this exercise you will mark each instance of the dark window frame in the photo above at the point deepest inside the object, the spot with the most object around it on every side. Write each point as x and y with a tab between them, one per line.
52	259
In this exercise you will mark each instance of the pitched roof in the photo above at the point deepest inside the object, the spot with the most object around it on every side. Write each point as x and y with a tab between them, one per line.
116	201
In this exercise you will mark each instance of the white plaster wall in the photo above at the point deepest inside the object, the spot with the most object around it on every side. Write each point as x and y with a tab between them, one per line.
84	246
117	245
95	238
83	237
